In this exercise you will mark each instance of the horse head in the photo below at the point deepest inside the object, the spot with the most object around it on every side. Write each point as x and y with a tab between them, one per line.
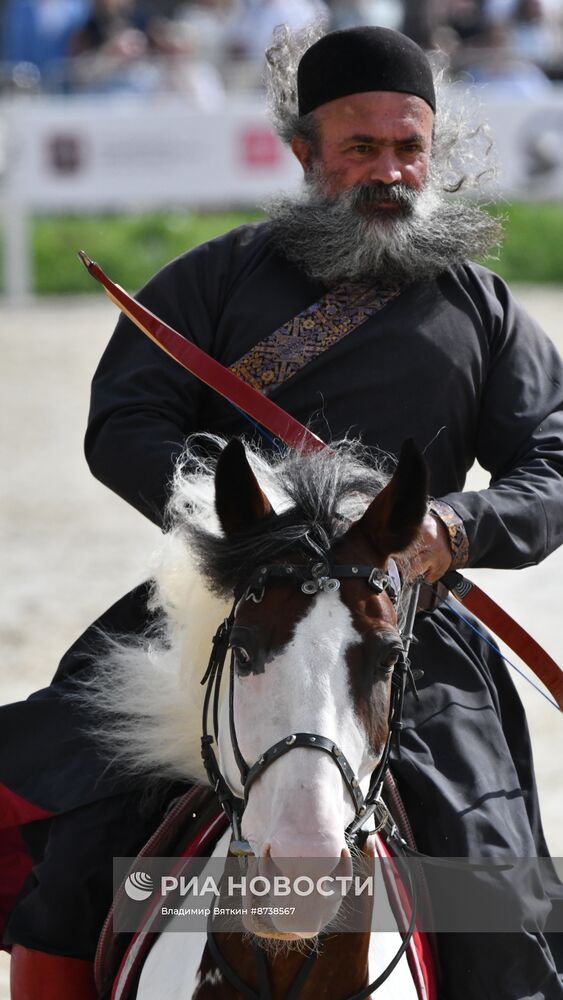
315	642
304	545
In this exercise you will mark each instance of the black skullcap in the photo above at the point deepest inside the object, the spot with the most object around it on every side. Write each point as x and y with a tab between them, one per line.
357	60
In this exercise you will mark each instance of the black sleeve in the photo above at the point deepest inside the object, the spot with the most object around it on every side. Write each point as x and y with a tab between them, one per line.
144	404
518	520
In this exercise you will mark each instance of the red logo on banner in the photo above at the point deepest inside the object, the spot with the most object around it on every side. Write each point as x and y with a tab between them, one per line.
260	147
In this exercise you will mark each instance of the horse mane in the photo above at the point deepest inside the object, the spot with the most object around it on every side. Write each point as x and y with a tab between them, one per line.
144	696
315	494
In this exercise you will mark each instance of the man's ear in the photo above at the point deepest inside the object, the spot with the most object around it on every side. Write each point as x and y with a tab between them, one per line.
302	150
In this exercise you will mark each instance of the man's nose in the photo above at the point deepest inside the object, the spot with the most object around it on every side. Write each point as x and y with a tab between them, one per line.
386	168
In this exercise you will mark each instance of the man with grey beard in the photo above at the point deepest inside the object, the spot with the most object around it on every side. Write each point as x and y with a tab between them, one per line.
376	231
357	307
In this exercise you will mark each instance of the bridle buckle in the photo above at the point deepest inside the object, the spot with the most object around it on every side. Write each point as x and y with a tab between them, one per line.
378	581
327	584
320	580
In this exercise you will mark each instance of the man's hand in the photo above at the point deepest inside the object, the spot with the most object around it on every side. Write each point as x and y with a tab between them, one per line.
429	555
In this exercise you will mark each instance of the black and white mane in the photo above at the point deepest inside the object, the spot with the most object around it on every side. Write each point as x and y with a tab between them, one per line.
316	495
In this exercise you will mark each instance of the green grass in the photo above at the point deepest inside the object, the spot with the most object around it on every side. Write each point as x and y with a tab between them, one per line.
533	245
129	248
132	248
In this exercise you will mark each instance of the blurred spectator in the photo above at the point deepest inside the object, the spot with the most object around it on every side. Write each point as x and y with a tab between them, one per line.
418	22
122	48
252	23
109	49
36	35
535	35
493	62
458	24
465	17
498	11
208	19
351	13
159	8
199	47
108	28
181	66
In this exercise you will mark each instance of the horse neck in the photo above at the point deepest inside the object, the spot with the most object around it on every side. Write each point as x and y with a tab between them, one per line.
342	966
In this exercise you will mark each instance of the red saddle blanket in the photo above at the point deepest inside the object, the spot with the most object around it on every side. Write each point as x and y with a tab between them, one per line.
192	828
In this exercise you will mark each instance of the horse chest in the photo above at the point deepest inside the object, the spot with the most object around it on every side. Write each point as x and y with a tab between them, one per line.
179	967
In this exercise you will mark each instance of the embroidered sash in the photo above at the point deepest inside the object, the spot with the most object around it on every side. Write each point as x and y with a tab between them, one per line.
281	354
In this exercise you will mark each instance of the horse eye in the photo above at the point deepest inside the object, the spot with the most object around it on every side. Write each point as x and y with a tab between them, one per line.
242	656
390	659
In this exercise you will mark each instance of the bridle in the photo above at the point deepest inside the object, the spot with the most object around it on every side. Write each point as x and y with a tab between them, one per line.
313	577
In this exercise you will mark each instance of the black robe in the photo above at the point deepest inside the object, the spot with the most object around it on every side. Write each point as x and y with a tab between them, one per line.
454	363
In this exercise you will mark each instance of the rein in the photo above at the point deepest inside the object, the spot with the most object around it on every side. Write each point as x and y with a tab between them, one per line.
316	577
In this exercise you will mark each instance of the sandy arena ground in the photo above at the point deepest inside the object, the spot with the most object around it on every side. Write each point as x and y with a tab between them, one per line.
70	548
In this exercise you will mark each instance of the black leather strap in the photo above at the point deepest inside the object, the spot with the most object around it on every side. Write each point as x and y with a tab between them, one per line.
313	742
378	579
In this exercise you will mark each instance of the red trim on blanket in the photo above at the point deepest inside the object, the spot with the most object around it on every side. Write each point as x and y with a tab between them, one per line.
419	953
207	838
15	866
15	861
16	810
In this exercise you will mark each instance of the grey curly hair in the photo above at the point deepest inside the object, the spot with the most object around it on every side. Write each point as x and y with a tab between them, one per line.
461	151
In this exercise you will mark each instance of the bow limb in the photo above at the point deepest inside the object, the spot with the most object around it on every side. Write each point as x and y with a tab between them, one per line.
206	368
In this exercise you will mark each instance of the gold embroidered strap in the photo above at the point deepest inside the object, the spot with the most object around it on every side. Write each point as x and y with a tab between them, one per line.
459	542
283	353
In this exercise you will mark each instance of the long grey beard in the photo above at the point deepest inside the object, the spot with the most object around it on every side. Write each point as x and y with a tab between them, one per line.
345	237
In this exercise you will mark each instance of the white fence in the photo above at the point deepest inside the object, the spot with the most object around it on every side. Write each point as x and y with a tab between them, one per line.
88	155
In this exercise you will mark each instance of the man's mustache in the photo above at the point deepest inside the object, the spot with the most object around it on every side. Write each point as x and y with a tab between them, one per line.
365	196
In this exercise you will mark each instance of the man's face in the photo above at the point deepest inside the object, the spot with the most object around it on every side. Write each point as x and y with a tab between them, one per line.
374	207
383	138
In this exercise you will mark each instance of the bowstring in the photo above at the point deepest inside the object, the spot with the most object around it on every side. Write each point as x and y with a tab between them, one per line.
452	605
273	441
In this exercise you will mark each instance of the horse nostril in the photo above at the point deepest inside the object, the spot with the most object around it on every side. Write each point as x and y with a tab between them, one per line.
269	866
344	868
266	851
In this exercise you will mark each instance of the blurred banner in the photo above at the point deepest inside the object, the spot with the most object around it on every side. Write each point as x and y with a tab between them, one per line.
86	155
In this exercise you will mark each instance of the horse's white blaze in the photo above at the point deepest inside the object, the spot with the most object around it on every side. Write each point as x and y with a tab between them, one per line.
300	806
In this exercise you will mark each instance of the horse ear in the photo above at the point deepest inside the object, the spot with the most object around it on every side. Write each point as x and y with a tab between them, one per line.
239	501
394	517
